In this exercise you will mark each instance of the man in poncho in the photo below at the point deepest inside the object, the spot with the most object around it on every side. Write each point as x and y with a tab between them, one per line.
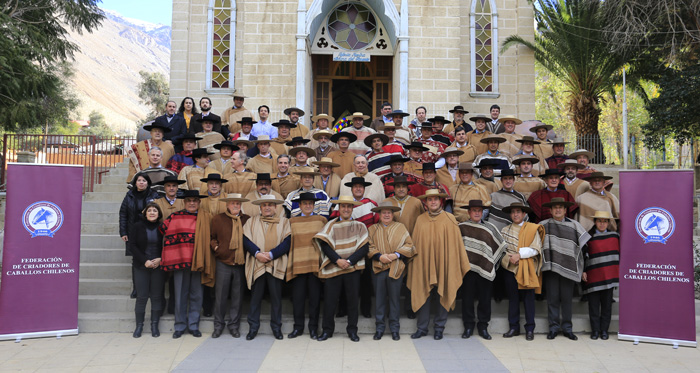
439	267
267	238
562	265
485	246
597	199
503	198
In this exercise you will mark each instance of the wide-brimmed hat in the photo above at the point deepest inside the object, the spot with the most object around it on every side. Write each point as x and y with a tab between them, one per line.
319	133
578	152
305	171
506	118
465	166
451	151
402	179
346	200
296	140
388	126
570	162
215	119
155	124
263	177
396	158
519	205
550	172
474	203
170	179
524	157
507	172
492	137
368	140
428	125
189	194
541	125
438	118
386	205
196	153
293	151
432	193
234	197
428	166
485	162
480	116
318	117
358	180
248	143
557	201
326	161
528	139
214	177
416	145
458	109
558	140
602	215
349	135
246	120
267	198
597	175
238	93
357	114
399	113
190	136
306	196
284	122
289	110
226	143
262	138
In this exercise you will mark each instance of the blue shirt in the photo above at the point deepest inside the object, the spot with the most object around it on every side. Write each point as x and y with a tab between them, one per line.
264	128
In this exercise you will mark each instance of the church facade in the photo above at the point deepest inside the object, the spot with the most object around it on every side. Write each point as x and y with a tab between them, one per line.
340	56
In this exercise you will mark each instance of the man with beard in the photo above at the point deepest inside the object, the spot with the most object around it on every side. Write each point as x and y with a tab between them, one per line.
571	181
321	143
205	107
298	129
322	122
457	120
263	187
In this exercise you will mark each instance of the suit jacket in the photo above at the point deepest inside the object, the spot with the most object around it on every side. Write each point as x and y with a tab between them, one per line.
178	127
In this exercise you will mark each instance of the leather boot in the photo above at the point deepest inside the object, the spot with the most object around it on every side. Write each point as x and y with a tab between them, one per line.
139	324
155	320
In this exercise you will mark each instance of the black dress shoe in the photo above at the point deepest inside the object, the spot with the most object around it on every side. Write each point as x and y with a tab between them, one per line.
313	334
570	335
217	333
133	294
277	334
395	336
207	314
367	315
235	333
594	335
552	335
251	335
177	334
467	333
437	336
324	336
378	336
196	333
604	335
529	336
485	334
295	333
353	337
511	333
418	334
341	314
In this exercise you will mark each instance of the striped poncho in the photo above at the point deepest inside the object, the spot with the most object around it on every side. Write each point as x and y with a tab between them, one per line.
321	207
304	257
345	237
485	246
389	239
562	251
602	263
499	200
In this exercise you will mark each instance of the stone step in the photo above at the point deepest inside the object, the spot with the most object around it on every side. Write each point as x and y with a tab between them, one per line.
99	228
106	206
101	216
104	197
105	271
109	241
114	179
91	286
97	255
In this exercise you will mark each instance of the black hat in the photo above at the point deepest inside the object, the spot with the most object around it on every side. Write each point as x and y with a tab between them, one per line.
487	162
214	177
157	124
226	143
263	177
289	110
507	172
209	118
551	171
438	118
459	109
474	203
349	135
357	180
284	122
416	145
199	152
190	136
398	113
247	120
396	158
170	179
190	193
306	197
428	166
296	140
401	179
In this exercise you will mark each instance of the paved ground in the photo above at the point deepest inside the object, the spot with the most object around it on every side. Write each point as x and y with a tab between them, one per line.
115	352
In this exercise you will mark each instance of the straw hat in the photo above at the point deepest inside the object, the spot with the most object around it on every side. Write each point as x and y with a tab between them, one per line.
268	198
238	93
305	171
517	160
541	125
325	161
432	193
451	151
293	151
386	205
346	200
234	197
602	215
585	152
248	143
357	114
558	140
316	118
262	138
320	133
388	126
570	162
511	118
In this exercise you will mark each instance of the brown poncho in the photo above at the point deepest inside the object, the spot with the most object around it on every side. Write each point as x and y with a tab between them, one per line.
590	202
203	259
441	261
393	238
345	237
527	271
411	209
304	257
332	185
462	194
266	233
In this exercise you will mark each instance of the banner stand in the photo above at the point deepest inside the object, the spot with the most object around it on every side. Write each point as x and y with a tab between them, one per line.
675	342
57	333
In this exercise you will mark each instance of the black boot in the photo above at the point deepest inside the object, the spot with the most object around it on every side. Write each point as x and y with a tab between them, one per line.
133	284
139	324
155	320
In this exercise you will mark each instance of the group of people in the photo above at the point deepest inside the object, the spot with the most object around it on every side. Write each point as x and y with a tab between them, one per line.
432	209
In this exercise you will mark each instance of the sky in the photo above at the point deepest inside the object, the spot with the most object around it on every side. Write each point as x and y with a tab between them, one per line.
154	11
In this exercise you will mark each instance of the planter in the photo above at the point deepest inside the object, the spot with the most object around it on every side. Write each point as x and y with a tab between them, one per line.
26	157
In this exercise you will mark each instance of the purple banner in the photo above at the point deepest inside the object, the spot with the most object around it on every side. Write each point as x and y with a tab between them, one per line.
41	252
657	298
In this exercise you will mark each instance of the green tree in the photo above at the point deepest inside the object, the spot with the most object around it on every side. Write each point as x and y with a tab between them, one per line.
34	44
154	90
569	43
98	126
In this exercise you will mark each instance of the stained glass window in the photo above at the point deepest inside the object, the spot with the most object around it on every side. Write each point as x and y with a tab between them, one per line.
483	46
352	26
221	44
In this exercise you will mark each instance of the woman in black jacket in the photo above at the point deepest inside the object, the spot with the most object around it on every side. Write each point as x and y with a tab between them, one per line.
131	209
146	245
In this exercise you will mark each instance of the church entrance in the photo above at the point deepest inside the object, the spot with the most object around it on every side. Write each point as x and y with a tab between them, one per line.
341	88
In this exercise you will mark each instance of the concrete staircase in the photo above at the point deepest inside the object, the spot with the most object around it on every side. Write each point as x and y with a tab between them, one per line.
105	280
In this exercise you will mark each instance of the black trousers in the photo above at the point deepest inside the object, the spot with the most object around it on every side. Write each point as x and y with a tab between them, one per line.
274	287
515	295
423	314
560	294
306	286
479	288
366	290
229	284
600	309
388	292
150	283
331	295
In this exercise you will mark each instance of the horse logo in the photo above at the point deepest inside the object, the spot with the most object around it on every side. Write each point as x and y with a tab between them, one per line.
42	218
655	224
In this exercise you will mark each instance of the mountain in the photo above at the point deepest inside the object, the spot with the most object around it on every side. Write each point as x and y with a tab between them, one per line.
107	68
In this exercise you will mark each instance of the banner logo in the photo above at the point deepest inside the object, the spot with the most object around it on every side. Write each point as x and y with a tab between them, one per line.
655	224
42	218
